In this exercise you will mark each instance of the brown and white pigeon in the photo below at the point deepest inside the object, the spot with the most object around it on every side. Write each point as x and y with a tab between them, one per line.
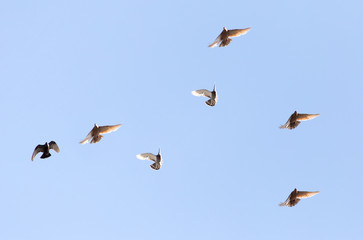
295	196
224	37
95	133
158	160
296	118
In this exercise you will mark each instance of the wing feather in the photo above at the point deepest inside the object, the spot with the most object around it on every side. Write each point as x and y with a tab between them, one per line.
215	43
146	156
108	129
53	145
202	92
237	32
305	117
304	194
89	136
39	148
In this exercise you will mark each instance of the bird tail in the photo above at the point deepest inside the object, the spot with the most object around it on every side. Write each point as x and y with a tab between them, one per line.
46	155
155	166
97	139
210	103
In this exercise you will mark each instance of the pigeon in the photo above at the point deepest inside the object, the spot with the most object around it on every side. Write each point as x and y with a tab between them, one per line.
212	95
224	37
45	149
296	118
295	197
158	160
95	133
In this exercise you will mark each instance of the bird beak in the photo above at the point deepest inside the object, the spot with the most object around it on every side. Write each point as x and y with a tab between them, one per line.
214	88
159	151
224	28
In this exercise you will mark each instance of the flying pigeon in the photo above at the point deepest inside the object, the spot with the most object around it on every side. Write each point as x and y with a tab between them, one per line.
224	37
295	197
296	118
158	160
95	133
212	95
45	149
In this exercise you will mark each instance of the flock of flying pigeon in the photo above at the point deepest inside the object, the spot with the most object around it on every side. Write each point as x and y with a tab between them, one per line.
224	38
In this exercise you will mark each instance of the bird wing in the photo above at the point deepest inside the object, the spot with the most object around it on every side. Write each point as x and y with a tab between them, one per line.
215	43
202	92
145	156
39	148
89	136
54	146
286	201
303	194
305	117
237	32
108	129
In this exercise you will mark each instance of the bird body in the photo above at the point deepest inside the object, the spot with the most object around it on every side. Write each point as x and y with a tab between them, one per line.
95	133
45	149
224	37
158	160
295	196
295	119
212	95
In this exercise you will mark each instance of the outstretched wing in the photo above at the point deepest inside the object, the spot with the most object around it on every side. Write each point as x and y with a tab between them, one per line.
305	117
303	194
146	156
286	201
39	148
54	146
218	39
202	92
108	129
89	136
216	42
237	32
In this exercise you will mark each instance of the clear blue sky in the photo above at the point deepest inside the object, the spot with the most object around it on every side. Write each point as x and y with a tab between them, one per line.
66	65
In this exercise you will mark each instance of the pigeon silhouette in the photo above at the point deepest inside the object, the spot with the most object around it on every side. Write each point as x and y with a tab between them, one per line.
45	149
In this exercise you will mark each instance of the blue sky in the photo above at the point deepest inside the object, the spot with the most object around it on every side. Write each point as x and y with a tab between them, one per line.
70	64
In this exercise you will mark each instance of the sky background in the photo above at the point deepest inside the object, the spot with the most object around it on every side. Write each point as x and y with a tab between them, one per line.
66	65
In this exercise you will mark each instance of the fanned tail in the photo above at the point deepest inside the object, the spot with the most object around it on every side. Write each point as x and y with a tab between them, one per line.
210	103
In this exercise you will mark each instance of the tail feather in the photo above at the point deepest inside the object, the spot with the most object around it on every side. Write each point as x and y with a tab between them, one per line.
46	155
155	166
210	103
97	139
